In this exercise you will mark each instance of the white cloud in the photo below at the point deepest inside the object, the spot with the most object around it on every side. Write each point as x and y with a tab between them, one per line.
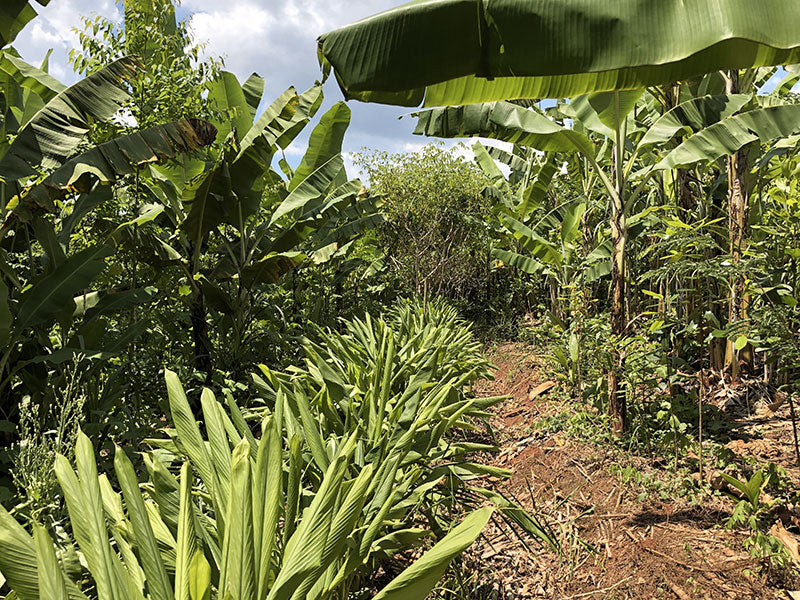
54	28
237	33
412	147
59	71
295	149
47	38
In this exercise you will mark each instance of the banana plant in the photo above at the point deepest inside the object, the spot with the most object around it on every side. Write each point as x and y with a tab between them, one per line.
530	176
524	227
236	225
712	127
13	18
49	186
520	50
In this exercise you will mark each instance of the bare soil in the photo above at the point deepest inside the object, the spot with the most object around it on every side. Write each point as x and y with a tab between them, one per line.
618	539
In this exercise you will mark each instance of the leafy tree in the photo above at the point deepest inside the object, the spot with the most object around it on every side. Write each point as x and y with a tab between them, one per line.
435	238
173	79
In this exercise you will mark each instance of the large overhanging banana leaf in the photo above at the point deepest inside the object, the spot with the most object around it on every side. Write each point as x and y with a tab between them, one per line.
114	159
503	121
56	130
14	15
446	52
732	134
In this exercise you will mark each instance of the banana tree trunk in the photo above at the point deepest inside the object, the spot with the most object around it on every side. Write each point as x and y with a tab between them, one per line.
202	343
617	401
618	408
738	206
199	319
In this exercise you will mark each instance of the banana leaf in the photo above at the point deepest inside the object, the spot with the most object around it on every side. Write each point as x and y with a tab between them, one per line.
449	52
14	15
112	160
55	131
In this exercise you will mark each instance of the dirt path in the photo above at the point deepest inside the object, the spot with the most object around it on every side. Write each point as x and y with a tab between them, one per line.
622	534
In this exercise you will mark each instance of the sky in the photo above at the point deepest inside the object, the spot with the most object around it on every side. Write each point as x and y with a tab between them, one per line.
274	38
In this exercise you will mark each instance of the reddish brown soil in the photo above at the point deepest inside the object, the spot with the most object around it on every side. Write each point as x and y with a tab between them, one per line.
618	540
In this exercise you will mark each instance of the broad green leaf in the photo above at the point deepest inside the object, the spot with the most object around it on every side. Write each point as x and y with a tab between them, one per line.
417	581
343	525
603	112
517	514
199	578
523	263
95	304
147	214
271	268
785	85
14	15
54	293
267	501
227	95
144	539
740	343
111	160
344	232
209	200
253	90
304	549
452	52
693	115
45	65
57	130
502	121
278	125
18	560
186	546
84	204
188	431
311	430
52	583
29	77
541	249
218	445
237	576
324	144
46	235
534	194
570	228
729	136
730	480
85	507
489	167
597	270
312	189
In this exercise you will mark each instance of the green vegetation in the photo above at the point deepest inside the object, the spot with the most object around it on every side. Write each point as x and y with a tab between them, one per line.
225	376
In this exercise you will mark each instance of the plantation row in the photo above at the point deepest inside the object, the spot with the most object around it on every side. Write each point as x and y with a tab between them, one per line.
350	452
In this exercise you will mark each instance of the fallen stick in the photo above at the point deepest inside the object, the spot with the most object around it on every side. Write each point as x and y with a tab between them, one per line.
608	589
683	564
